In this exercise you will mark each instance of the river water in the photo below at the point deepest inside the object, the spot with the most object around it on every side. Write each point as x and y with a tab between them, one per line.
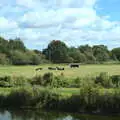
40	115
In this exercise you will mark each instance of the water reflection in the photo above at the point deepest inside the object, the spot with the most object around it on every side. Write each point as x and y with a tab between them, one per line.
40	115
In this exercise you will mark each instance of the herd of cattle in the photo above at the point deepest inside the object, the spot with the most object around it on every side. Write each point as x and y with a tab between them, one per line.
59	68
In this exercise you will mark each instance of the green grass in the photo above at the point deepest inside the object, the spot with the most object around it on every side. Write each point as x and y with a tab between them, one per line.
84	70
63	91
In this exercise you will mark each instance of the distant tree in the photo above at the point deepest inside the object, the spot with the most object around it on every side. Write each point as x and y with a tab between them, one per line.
3	59
101	53
88	52
33	57
19	58
76	55
57	51
16	44
116	53
3	45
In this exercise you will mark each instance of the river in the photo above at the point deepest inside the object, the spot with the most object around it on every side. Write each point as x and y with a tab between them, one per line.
40	115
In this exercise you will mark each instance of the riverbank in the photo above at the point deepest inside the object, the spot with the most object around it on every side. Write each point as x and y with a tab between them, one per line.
51	115
89	100
99	94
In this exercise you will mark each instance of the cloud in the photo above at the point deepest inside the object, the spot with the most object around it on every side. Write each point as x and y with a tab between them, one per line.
6	24
73	21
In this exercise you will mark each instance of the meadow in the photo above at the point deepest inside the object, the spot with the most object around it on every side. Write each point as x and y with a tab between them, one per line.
83	70
87	88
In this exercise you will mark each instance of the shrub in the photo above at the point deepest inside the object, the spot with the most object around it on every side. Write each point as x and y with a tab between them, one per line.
19	81
116	80
18	98
60	81
37	80
47	79
6	81
76	82
104	79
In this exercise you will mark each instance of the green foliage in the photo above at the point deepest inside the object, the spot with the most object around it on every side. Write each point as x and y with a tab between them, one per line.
48	79
77	56
116	53
91	94
60	81
5	81
101	53
14	52
104	79
4	59
56	51
116	80
18	98
19	58
16	44
37	80
45	80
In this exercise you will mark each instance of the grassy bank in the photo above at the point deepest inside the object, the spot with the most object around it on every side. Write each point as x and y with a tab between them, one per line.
100	93
86	100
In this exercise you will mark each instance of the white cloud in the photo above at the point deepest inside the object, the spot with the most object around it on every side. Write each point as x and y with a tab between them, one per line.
6	24
74	21
27	3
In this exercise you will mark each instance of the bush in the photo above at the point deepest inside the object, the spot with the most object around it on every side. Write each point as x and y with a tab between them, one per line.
116	80
37	80
60	81
6	81
75	83
3	59
19	81
18	98
104	79
47	79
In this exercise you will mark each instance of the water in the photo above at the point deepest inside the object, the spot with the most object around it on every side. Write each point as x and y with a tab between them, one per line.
40	115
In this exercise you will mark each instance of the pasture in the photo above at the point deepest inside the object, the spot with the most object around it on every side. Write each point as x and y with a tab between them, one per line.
83	70
60	92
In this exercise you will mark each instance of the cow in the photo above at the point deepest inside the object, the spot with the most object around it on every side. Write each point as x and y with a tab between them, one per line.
58	68
74	65
37	69
52	68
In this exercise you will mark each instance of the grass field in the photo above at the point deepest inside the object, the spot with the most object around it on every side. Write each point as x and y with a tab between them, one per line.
84	70
62	93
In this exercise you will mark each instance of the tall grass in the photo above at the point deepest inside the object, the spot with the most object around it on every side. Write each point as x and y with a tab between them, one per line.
93	93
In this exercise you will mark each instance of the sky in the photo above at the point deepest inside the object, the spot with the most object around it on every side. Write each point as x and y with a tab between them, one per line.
75	22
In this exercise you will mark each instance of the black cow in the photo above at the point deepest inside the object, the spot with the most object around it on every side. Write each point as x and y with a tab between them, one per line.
58	68
52	68
74	65
37	69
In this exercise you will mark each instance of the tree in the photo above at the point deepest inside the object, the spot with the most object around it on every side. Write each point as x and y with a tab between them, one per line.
33	57
19	58
116	52
3	59
16	44
76	55
101	53
88	52
3	45
56	51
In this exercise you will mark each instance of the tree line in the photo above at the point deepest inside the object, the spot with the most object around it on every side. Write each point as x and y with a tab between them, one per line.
58	52
13	51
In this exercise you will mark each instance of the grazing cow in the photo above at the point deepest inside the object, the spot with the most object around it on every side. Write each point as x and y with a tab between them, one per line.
51	68
58	68
37	69
74	65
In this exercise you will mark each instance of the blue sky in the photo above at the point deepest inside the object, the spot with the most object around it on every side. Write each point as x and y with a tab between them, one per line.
76	22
